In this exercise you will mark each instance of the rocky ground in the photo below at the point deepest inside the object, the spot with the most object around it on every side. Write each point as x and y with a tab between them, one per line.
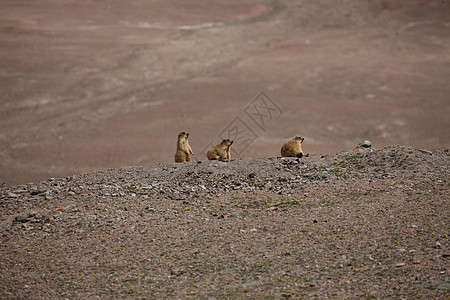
367	223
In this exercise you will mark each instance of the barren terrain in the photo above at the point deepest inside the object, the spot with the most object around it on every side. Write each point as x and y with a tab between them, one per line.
367	223
88	85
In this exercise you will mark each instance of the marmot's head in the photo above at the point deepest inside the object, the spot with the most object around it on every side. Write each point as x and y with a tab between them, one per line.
183	135
299	139
227	142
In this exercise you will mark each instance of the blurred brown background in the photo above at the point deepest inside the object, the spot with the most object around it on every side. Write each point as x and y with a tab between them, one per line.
88	85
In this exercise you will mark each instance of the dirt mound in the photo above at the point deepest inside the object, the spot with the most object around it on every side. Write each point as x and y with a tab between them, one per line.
361	223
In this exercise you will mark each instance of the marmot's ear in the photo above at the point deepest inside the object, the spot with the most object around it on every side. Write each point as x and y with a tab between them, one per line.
303	139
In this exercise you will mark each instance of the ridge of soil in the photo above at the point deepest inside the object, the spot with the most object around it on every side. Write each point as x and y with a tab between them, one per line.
366	223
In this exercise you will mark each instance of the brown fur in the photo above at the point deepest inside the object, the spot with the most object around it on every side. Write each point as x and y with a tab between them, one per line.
184	151
293	148
220	151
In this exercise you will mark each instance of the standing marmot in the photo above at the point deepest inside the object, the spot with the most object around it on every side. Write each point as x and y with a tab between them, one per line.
220	151
293	148
184	151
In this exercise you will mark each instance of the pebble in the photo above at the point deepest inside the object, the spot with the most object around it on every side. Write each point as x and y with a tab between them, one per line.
12	195
37	191
22	219
365	144
177	272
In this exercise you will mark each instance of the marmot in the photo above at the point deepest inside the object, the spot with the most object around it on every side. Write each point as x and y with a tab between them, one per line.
184	151
220	151
293	147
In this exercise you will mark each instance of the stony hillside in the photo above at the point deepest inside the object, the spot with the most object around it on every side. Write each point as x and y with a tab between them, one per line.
363	223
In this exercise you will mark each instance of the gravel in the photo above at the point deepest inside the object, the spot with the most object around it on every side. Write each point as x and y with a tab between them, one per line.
362	223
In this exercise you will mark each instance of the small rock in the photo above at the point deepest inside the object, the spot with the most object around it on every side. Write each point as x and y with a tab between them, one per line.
27	227
12	195
175	196
399	265
37	191
177	272
365	144
22	219
71	208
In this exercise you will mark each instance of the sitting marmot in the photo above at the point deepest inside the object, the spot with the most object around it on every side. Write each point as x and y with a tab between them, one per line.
220	151
184	151
293	148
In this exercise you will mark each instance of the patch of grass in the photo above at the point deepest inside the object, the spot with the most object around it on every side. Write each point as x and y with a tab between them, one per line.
287	203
